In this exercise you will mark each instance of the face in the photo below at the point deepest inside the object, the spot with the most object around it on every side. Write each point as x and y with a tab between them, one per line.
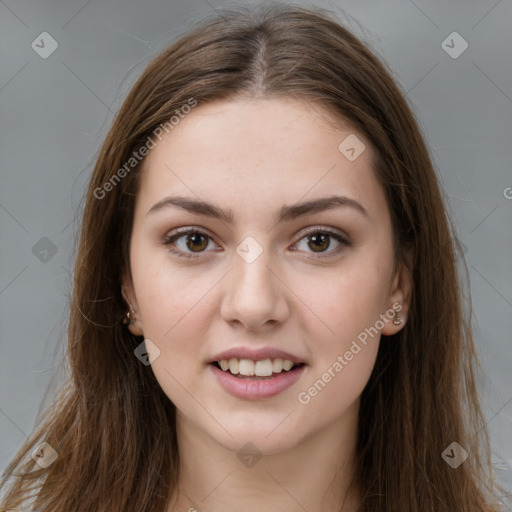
258	277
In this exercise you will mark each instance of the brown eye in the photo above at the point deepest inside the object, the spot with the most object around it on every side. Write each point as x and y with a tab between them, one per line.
195	242
319	242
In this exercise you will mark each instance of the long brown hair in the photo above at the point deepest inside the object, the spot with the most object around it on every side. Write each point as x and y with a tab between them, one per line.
111	424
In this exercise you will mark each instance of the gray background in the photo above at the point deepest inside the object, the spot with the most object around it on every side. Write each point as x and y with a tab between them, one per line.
54	113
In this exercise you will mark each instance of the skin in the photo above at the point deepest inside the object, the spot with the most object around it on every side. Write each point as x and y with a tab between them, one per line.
254	156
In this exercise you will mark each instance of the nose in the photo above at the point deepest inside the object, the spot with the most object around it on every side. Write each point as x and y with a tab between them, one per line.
254	295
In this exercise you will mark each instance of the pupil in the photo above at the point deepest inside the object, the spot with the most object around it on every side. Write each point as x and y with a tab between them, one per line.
315	239
195	237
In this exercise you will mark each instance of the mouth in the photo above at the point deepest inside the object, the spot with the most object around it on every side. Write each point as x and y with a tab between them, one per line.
247	369
262	379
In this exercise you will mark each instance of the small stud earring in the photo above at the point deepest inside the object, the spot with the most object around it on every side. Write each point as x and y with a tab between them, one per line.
397	320
128	319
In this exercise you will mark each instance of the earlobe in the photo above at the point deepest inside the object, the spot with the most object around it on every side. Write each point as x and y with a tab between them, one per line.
135	329
400	298
395	320
131	317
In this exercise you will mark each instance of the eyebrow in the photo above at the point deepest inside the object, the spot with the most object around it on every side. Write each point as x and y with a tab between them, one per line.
285	213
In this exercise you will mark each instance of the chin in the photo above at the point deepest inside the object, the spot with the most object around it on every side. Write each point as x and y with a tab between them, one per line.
267	432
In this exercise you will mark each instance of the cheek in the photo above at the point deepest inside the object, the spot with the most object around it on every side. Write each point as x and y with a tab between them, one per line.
346	354
175	319
175	313
352	300
350	305
173	306
169	297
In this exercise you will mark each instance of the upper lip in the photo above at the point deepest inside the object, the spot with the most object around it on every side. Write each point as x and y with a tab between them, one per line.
255	355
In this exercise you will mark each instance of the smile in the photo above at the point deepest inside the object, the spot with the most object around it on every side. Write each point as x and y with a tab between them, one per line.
253	380
248	368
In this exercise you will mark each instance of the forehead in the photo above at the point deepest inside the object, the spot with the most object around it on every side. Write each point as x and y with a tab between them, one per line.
254	154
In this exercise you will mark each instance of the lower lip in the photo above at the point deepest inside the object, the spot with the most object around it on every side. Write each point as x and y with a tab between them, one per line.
256	389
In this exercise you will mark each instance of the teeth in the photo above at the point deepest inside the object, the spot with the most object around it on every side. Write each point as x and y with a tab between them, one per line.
277	365
233	366
287	365
248	368
263	368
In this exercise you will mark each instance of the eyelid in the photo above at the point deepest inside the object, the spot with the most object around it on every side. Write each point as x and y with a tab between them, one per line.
339	236
319	228
177	233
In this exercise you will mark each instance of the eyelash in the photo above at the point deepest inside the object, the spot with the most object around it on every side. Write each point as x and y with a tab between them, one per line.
181	232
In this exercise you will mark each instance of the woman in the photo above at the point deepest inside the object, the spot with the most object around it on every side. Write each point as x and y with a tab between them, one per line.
266	312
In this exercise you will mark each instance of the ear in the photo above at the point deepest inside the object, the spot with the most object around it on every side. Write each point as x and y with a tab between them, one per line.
128	292
400	295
